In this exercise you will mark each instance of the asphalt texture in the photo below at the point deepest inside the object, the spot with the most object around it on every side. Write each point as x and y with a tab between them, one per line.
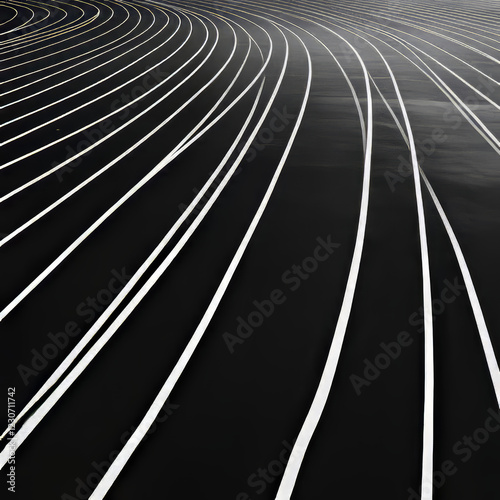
314	132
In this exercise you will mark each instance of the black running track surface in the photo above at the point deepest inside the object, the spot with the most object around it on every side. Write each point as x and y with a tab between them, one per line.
198	197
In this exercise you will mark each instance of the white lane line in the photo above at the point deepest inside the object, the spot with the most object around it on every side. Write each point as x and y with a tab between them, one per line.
363	24
173	154
305	435
491	138
20	297
442	15
95	83
319	402
429	18
427	476
177	151
61	30
126	124
103	318
484	334
95	67
129	448
20	42
445	37
85	23
428	405
24	26
117	110
21	25
39	414
98	51
71	357
428	429
446	68
33	38
455	100
16	14
39	31
132	191
481	323
344	74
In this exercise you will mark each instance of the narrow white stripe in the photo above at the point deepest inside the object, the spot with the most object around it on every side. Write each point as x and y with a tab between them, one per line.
137	275
40	413
129	448
309	426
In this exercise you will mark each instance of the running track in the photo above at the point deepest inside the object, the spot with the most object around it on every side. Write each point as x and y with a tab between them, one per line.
250	249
